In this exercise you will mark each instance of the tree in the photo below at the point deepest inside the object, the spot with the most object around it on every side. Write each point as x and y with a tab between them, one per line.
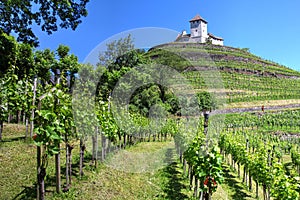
24	61
8	49
116	49
17	66
19	16
67	65
118	59
206	104
43	62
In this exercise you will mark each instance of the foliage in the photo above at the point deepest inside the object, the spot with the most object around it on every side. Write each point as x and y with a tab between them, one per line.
119	58
206	101
7	51
43	62
208	41
107	122
209	170
246	50
24	61
67	64
16	95
53	120
3	99
170	58
19	16
84	101
261	158
285	187
115	50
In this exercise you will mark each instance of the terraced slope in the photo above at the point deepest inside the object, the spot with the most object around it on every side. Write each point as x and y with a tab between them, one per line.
245	76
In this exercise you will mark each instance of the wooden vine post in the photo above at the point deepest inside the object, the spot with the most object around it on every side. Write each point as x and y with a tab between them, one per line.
57	156
41	170
33	104
95	146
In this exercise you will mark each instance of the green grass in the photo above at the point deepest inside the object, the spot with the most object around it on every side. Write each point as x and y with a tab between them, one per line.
17	164
164	181
149	170
234	187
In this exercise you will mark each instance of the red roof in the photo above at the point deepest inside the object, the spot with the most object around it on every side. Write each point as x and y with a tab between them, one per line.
198	17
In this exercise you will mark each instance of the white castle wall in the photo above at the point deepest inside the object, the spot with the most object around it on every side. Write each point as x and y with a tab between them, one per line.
217	42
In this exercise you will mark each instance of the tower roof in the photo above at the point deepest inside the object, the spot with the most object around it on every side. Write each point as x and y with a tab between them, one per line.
198	17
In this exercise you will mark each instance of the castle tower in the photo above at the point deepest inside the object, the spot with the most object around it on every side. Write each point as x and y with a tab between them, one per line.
199	33
198	29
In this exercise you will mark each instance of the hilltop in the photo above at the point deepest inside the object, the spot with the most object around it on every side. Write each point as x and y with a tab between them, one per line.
227	59
245	76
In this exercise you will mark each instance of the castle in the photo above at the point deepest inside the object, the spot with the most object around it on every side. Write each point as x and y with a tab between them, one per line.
199	33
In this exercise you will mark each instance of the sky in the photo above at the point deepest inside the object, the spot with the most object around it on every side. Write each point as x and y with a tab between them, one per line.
269	28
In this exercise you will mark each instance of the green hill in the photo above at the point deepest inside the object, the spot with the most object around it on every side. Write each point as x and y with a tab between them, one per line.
245	76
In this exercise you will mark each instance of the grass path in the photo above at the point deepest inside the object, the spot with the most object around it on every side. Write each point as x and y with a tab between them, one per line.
232	188
17	164
162	179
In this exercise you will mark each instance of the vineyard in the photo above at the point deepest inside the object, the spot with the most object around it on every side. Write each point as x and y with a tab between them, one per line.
131	130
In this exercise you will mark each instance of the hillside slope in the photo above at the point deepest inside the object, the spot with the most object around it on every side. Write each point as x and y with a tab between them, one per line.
237	59
245	76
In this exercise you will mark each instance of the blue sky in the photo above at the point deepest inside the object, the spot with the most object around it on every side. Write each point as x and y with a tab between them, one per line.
270	28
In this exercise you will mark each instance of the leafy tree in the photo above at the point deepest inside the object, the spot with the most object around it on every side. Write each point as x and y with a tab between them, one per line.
8	50
24	61
43	62
115	69
120	58
67	65
19	16
115	50
206	103
17	65
144	98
